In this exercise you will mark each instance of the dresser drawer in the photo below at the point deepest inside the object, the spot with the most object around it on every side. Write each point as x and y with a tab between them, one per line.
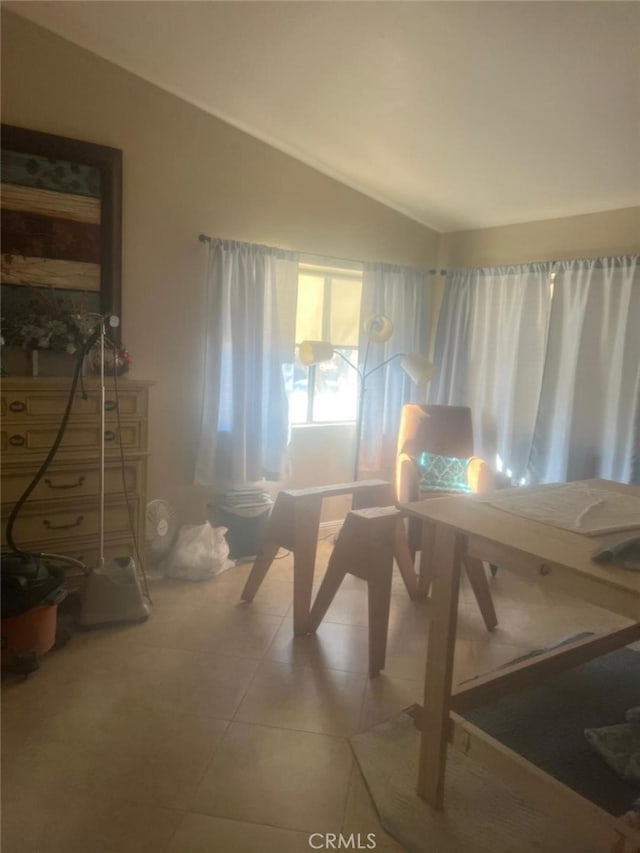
42	404
72	481
62	514
59	521
89	552
37	438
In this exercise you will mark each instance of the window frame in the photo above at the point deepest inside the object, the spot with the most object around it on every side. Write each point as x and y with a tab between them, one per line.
328	271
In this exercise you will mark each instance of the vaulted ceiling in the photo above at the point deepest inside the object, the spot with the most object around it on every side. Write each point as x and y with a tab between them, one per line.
458	114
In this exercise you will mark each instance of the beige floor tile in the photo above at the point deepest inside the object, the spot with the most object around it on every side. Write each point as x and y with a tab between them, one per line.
348	582
361	818
386	696
29	705
17	728
170	593
273	598
405	611
168	680
203	834
507	587
61	669
183	681
537	626
161	768
405	666
483	651
397	583
54	822
131	724
122	724
279	777
308	699
199	682
350	605
333	646
233	629
281	569
407	644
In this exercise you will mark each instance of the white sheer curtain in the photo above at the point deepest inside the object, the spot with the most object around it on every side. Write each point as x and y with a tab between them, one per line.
249	338
490	348
402	294
589	409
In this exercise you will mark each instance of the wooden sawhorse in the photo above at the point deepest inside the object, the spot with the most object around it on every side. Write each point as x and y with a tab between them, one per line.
365	549
294	524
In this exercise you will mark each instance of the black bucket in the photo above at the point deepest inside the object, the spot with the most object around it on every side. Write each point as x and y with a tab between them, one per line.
28	580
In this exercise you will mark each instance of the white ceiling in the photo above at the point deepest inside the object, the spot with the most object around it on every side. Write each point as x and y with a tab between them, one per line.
459	114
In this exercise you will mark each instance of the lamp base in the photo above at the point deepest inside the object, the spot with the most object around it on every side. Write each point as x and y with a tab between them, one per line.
112	595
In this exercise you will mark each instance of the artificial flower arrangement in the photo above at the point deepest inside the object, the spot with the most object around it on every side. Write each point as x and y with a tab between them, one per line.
52	321
117	360
48	321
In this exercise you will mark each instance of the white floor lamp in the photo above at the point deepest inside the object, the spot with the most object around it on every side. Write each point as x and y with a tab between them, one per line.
379	329
111	592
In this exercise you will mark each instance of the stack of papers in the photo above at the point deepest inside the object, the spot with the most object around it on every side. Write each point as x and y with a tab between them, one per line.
246	501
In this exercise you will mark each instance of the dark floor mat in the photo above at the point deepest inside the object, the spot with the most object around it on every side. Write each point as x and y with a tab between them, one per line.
546	725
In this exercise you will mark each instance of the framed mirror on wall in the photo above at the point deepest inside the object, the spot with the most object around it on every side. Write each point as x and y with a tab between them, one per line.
61	212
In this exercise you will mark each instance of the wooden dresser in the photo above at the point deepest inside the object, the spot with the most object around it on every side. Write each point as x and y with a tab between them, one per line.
62	515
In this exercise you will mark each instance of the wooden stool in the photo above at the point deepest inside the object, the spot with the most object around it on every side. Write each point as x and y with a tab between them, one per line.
365	548
473	567
294	524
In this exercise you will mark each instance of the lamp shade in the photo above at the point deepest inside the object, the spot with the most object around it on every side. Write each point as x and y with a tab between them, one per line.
311	352
418	368
378	328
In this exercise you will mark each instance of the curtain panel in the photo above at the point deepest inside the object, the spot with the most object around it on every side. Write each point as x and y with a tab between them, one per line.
588	423
403	294
490	351
249	339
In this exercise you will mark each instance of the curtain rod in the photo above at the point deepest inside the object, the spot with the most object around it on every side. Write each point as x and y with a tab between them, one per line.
204	238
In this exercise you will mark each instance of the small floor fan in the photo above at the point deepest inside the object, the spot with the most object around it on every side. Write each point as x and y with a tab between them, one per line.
160	530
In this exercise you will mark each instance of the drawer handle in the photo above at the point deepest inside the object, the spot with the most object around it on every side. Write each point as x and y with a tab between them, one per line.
75	523
17	440
17	406
75	485
110	435
110	405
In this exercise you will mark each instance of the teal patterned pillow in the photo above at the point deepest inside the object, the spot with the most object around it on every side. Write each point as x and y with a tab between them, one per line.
442	473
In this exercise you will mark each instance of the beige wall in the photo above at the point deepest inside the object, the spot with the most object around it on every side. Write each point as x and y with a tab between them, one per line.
611	232
186	172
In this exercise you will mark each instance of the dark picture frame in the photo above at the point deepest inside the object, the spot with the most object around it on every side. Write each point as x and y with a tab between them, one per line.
54	167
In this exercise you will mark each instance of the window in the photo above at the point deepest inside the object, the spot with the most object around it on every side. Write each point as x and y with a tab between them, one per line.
328	309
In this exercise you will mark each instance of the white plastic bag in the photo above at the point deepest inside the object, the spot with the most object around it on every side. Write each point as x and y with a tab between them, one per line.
200	552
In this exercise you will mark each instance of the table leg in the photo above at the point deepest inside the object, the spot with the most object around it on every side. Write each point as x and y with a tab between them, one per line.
425	573
447	556
306	526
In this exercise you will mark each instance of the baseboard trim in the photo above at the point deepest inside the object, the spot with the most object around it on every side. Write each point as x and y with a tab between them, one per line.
329	527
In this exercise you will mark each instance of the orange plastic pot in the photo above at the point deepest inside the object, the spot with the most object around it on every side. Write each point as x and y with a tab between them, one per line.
33	631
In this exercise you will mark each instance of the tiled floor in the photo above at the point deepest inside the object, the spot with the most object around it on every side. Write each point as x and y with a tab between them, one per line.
209	728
